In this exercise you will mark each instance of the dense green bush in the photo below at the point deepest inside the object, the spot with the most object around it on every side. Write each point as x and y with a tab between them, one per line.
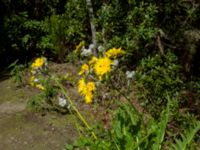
64	31
157	76
128	24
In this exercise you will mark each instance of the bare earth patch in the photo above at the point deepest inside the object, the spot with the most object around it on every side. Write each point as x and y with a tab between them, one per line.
10	108
23	130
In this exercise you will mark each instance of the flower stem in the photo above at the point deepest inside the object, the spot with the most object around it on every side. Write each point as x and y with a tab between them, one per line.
75	109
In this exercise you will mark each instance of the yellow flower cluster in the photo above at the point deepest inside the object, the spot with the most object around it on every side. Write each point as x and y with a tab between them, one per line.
93	61
39	62
114	52
100	67
40	87
84	69
36	67
34	82
86	90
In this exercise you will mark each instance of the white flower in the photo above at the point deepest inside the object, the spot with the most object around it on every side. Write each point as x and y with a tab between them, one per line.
34	72
62	101
115	63
91	46
82	48
86	52
35	80
130	74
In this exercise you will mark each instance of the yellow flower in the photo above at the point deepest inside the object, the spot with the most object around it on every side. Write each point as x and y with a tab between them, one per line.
39	62
93	60
89	92
100	78
82	86
33	65
79	46
39	86
88	98
90	87
84	69
32	81
114	52
86	90
102	66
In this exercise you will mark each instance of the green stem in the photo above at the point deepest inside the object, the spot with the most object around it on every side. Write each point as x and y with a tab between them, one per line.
128	99
125	96
75	109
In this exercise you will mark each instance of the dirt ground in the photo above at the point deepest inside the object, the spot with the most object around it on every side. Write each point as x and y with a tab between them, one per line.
21	129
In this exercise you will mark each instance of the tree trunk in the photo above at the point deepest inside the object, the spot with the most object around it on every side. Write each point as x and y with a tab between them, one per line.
93	29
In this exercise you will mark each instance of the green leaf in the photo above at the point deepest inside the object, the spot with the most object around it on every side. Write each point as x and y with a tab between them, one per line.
186	139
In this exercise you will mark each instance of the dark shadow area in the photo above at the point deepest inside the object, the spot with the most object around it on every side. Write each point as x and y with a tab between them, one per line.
4	75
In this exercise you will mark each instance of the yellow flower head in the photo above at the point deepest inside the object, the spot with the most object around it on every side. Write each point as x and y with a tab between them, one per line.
86	90
84	69
39	86
88	98
82	86
90	87
114	52
93	60
32	80
33	65
102	66
79	46
39	62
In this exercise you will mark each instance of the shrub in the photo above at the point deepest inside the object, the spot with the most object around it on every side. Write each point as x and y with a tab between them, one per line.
156	76
17	73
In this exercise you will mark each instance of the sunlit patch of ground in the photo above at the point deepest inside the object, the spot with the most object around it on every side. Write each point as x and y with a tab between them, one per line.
24	130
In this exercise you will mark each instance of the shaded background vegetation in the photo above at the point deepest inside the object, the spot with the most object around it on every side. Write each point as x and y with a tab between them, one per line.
30	28
162	38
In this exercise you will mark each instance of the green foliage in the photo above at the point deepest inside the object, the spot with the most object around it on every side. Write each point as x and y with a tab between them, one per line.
186	138
32	30
56	26
126	123
111	17
73	57
14	27
77	20
130	25
135	134
62	30
55	39
44	100
23	32
36	103
156	76
131	131
50	91
17	73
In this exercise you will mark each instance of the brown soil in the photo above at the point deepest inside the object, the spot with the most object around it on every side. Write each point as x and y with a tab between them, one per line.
21	129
